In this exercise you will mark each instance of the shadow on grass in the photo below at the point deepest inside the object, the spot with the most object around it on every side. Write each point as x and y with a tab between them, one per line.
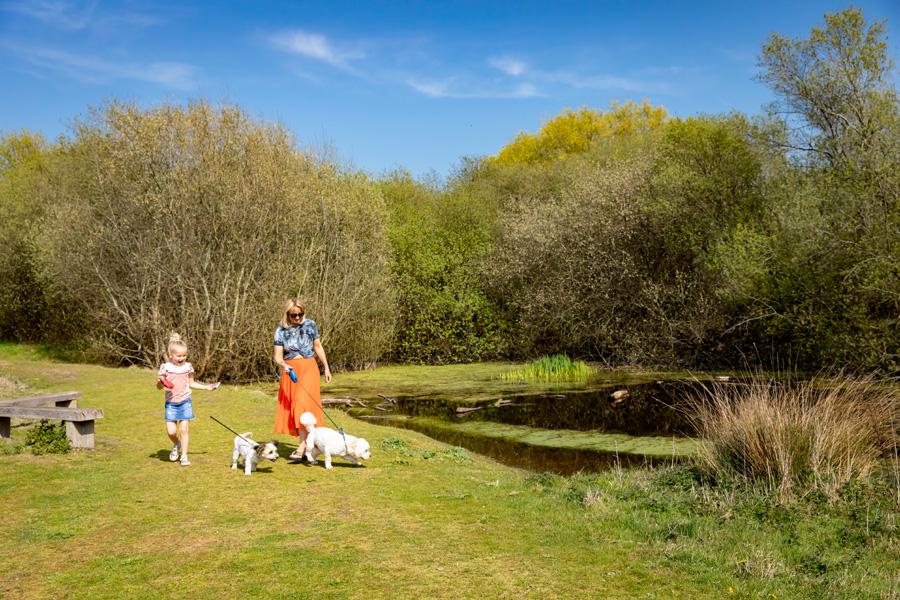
163	455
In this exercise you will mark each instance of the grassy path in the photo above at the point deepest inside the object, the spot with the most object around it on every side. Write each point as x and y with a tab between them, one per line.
420	520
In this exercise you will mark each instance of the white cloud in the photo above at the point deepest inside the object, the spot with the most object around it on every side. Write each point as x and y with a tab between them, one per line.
315	46
506	64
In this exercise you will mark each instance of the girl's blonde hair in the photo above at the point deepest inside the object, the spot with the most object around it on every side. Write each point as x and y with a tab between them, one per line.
174	342
291	303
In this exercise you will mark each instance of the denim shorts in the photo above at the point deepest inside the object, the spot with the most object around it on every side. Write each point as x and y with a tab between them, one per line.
183	411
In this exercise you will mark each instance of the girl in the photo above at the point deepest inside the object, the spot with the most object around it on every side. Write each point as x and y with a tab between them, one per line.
176	375
297	345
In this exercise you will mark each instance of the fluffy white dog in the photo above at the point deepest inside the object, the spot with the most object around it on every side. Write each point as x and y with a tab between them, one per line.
252	452
321	440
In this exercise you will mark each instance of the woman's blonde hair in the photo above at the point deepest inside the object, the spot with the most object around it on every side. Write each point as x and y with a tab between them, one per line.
291	303
174	342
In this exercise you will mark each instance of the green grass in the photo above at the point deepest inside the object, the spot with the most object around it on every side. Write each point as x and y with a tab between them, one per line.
555	368
421	519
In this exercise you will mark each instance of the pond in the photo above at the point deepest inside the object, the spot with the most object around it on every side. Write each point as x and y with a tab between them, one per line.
563	432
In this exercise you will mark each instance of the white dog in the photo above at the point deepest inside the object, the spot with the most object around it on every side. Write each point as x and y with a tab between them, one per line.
252	452
321	440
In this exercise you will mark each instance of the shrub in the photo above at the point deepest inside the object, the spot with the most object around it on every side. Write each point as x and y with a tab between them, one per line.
793	437
200	220
47	438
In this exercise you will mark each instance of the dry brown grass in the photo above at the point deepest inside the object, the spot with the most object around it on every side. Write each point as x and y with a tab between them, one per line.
796	436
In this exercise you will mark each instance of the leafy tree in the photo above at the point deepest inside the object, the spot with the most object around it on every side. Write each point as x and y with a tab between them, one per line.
573	132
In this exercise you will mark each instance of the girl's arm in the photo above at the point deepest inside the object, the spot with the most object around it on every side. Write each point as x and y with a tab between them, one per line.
195	385
320	352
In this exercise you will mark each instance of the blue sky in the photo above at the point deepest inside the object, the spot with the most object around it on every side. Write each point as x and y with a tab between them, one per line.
417	85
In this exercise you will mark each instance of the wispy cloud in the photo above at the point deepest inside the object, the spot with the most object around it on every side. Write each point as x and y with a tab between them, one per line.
606	82
75	16
508	65
452	88
57	13
315	46
98	70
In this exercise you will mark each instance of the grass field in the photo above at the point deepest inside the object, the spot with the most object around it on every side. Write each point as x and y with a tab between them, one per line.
420	520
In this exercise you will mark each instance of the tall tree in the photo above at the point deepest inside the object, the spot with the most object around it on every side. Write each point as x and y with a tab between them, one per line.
834	87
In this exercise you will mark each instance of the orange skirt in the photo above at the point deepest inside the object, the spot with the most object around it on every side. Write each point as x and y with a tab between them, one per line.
296	398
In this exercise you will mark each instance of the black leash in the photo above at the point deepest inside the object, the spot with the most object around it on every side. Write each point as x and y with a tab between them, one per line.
251	442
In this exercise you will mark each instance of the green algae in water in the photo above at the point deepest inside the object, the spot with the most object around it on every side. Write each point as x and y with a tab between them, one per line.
659	446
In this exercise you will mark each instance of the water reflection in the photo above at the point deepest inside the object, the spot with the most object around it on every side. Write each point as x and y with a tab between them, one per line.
651	409
646	409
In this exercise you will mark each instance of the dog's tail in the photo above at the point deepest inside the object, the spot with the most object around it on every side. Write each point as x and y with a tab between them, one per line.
247	434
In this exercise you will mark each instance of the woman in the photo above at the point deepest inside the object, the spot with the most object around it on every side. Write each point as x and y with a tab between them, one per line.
296	344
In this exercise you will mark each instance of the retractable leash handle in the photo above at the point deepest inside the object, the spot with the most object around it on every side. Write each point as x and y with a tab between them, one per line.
165	381
292	375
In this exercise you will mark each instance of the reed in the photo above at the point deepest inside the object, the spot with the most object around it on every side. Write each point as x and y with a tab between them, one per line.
557	367
797	436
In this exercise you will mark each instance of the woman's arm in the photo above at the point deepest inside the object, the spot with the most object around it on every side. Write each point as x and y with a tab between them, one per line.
320	352
279	358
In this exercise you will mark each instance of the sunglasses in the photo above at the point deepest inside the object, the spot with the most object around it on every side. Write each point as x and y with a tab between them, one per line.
295	315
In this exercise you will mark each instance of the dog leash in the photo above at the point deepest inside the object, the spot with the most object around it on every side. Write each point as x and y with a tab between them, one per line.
251	442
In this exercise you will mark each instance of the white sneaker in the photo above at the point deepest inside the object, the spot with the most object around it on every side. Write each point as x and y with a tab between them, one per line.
184	460
173	455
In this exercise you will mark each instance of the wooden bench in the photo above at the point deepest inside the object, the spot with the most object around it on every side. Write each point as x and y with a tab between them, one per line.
58	407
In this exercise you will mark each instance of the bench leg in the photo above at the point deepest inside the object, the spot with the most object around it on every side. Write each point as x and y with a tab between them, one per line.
80	433
5	427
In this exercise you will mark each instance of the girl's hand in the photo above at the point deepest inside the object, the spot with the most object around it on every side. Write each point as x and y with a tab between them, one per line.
214	386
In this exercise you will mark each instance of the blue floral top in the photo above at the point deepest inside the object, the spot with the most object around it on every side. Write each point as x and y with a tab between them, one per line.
298	339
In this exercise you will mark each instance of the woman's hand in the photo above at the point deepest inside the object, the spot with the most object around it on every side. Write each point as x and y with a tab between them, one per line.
327	375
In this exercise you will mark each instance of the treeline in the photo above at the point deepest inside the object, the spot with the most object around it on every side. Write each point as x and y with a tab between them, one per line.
622	235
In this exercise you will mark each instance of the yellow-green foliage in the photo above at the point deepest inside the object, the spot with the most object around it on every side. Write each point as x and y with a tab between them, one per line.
574	131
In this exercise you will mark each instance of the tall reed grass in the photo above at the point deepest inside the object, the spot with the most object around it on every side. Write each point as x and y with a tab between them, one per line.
557	367
792	437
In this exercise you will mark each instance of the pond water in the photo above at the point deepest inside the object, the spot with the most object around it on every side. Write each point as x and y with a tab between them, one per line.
566	432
